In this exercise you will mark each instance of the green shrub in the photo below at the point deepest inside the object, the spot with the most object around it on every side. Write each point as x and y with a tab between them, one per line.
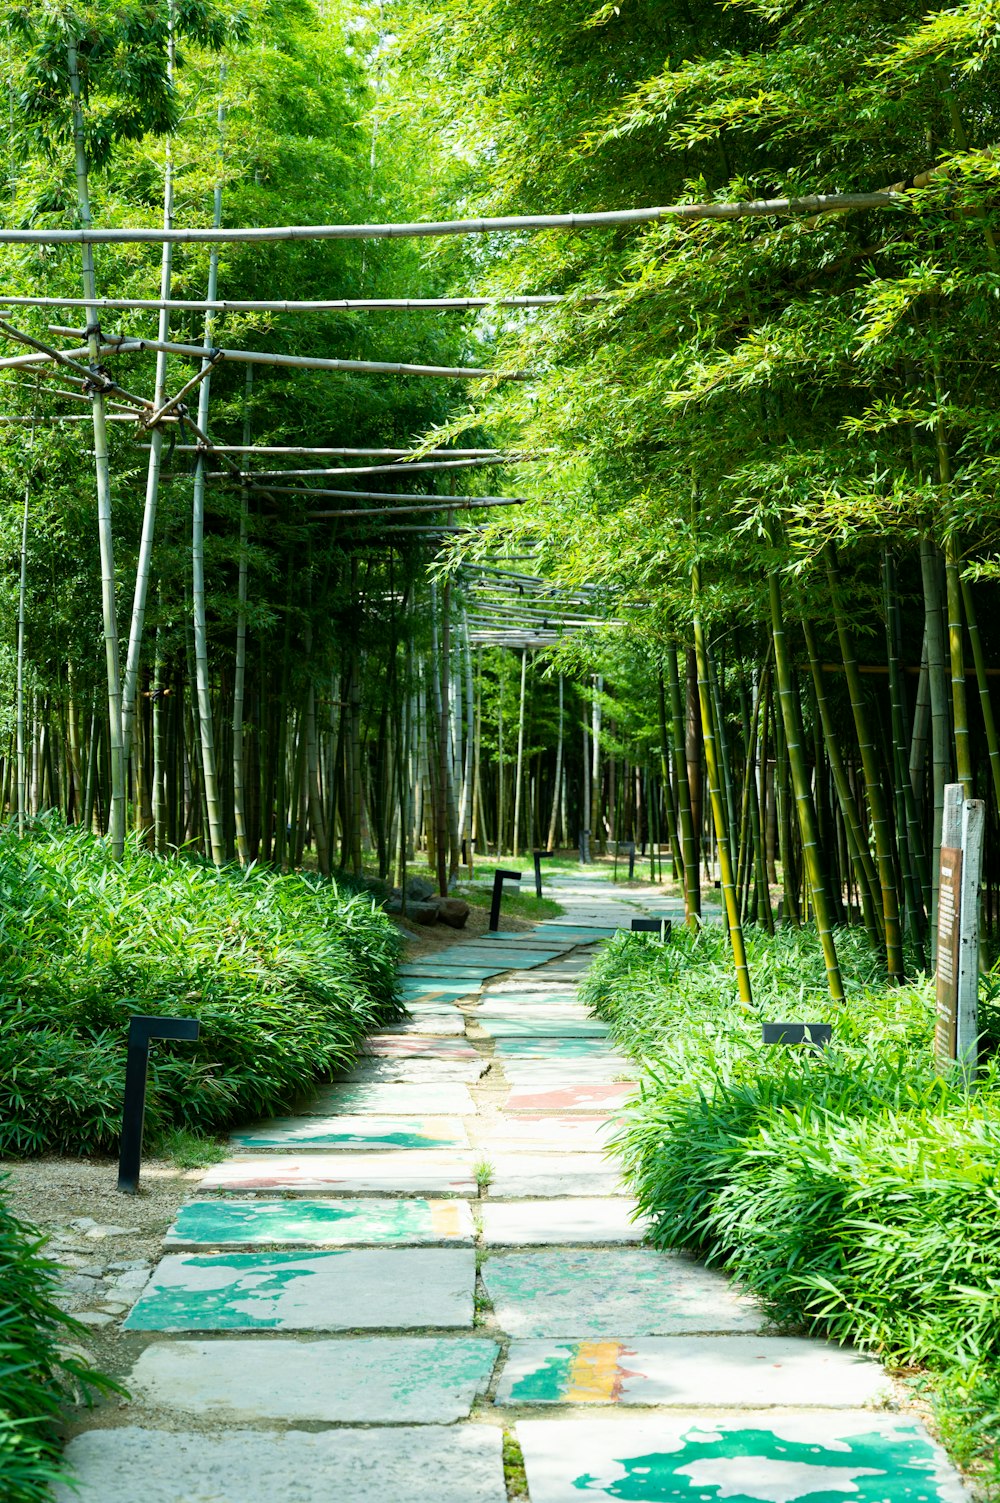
286	974
35	1375
852	1189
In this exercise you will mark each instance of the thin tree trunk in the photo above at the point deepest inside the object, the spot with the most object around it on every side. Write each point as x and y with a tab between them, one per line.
550	838
519	775
978	657
240	668
689	837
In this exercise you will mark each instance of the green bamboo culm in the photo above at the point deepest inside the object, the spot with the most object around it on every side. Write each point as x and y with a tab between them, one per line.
873	782
791	715
689	845
718	807
959	703
979	659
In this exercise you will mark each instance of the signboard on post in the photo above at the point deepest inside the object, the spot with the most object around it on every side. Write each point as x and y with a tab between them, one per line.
956	1034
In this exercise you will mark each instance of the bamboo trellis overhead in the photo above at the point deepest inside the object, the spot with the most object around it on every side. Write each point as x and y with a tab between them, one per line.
509	609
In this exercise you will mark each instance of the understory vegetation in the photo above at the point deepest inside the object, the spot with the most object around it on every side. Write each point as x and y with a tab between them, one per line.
36	1372
286	974
852	1189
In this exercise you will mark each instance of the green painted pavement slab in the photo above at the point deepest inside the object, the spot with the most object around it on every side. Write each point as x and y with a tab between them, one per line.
415	990
404	1464
726	1372
558	1049
400	1288
633	1290
321	1223
361	1134
443	1098
440	971
511	1027
401	1172
755	1458
368	1380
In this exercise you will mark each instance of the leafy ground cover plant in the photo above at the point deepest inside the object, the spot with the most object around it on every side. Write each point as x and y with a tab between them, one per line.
37	1372
852	1189
287	974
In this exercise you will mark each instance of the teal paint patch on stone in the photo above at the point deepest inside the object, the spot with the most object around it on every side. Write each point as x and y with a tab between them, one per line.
358	1134
368	1380
558	1049
383	1288
587	1294
731	1372
438	1098
813	1458
438	971
321	1223
549	1072
541	1028
403	1464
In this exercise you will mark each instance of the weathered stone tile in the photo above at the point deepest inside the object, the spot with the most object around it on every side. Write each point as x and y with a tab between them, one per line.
520	1175
547	1133
755	1458
437	1024
560	1049
544	1071
553	1222
571	1098
437	1098
382	1288
726	1372
357	1134
406	1172
370	1380
414	1046
425	1464
562	1029
584	1294
419	1070
321	1223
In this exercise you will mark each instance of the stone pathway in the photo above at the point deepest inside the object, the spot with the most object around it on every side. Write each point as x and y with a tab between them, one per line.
434	1274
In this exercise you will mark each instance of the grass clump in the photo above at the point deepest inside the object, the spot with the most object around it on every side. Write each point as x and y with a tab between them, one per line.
517	904
856	1192
286	974
37	1373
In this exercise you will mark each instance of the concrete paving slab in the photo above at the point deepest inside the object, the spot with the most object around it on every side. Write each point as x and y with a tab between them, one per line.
633	1289
722	1372
438	1024
321	1223
444	972
403	1173
442	990
547	1133
754	1458
436	1099
359	1134
423	1464
550	1073
414	1071
399	1288
416	1047
541	1028
571	1098
517	1176
557	1049
582	1222
369	1380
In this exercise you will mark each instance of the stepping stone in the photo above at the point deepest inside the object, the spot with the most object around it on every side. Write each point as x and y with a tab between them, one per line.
518	1175
571	1098
360	1134
731	1372
582	1222
424	1464
321	1223
445	1099
441	972
542	1028
558	1049
546	1072
542	1134
403	1173
374	1380
400	1288
581	1294
437	1024
420	1071
394	1045
443	990
752	1458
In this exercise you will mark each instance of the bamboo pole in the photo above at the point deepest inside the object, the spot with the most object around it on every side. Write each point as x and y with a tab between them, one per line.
715	795
873	784
550	838
519	774
979	659
691	866
941	753
239	670
281	305
791	715
397	467
103	478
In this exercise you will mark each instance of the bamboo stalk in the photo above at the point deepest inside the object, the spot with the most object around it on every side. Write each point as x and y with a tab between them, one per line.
689	841
715	796
239	671
978	658
791	715
279	305
397	467
519	774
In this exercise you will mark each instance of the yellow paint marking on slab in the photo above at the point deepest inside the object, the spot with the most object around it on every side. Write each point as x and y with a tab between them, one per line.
444	1219
594	1374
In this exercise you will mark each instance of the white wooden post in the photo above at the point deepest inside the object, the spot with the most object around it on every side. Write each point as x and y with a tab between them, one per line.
957	1032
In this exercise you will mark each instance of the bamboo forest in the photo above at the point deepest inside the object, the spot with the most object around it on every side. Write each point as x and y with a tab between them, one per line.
499	755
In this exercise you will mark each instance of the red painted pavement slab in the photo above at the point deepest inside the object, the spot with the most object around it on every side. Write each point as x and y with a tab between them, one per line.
601	1096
